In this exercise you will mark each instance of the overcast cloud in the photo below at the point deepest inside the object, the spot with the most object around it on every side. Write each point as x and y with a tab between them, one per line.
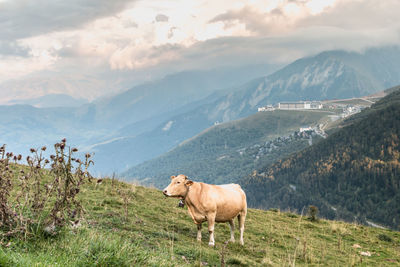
130	38
22	18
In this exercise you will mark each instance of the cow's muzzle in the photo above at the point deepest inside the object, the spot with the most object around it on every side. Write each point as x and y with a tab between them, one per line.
165	193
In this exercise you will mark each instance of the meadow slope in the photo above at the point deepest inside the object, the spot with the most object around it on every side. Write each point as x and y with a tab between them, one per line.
129	225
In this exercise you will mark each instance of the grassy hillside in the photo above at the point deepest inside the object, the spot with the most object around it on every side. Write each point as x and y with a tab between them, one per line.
229	151
354	174
127	225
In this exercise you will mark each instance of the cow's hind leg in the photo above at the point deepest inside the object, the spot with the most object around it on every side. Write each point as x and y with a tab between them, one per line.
211	222
241	219
232	225
199	232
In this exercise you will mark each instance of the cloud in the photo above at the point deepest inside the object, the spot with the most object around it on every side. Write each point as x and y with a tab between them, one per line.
128	36
162	18
22	19
357	15
12	48
254	21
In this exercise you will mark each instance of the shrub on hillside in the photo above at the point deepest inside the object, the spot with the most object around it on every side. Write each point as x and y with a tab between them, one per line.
313	213
42	196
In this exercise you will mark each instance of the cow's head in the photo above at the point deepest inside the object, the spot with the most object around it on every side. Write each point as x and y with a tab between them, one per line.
178	187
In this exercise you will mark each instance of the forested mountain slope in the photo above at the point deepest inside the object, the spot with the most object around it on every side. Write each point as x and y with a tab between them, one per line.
354	174
224	153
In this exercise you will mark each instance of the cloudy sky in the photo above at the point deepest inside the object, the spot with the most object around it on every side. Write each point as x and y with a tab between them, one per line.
92	47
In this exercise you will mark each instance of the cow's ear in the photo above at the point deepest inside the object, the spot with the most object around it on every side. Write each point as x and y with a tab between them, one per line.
188	183
172	177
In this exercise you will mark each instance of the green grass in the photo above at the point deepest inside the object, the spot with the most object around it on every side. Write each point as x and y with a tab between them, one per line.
158	233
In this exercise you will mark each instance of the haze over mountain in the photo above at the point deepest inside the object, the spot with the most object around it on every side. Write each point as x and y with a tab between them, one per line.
85	125
51	101
160	97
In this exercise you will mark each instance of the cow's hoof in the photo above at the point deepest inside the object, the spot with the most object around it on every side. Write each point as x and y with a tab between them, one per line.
232	240
211	244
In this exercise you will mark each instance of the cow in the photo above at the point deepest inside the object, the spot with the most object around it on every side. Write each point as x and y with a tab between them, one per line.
211	203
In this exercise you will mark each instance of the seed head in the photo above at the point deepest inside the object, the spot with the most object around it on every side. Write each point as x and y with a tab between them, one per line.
64	140
74	149
33	150
62	145
44	148
46	161
60	159
19	157
87	155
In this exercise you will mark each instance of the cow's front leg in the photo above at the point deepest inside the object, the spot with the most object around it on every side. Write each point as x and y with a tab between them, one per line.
199	232
211	222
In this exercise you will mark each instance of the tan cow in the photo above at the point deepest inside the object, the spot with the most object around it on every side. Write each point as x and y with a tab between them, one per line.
211	203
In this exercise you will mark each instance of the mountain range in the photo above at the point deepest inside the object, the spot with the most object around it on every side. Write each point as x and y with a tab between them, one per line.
101	120
150	119
329	75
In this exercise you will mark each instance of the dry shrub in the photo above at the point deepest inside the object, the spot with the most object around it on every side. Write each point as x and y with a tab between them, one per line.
41	197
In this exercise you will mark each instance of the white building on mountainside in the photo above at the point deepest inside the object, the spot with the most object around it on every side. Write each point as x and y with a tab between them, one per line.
299	105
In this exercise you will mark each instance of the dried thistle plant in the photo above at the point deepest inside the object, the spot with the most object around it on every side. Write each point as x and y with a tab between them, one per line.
43	197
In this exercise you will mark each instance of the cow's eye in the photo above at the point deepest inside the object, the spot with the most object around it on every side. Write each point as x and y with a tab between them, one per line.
178	182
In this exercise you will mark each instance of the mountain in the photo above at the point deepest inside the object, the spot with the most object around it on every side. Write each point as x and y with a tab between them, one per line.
329	75
226	152
353	175
51	101
152	99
